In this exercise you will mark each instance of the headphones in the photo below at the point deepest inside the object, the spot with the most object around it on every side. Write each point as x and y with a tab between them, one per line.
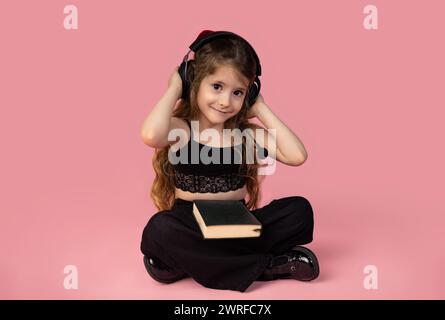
205	37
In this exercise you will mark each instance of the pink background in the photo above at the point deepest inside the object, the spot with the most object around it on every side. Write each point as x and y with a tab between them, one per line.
367	104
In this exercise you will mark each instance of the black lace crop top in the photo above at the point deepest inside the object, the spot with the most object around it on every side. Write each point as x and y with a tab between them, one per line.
212	174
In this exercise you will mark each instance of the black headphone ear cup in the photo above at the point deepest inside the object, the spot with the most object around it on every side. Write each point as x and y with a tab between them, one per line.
186	78
181	71
253	94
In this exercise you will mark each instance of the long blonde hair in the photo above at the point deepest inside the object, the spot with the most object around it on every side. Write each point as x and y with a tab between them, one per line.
223	51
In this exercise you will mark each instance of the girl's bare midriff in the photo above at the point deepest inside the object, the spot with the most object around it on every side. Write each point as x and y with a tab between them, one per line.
230	195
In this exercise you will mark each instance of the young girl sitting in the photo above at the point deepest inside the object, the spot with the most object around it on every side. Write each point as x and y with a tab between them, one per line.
217	90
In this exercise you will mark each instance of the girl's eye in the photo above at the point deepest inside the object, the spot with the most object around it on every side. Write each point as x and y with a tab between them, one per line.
216	86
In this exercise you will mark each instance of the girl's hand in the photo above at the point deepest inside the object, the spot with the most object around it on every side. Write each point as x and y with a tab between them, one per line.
254	109
176	82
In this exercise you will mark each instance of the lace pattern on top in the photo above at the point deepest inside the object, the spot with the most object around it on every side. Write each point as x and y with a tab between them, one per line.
212	184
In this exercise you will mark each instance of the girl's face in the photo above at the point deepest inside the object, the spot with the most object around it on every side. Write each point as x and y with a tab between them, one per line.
221	95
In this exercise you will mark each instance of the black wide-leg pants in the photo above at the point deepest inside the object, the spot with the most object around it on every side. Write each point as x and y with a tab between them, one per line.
174	237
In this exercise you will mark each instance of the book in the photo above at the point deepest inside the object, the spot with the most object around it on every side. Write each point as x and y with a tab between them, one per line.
219	219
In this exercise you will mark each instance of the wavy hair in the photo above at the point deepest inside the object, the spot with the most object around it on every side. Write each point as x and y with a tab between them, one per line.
224	51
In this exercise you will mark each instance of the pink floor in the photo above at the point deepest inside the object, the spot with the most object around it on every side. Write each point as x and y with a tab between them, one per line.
404	247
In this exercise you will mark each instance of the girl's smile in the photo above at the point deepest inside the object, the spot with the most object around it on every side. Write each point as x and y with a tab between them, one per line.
220	111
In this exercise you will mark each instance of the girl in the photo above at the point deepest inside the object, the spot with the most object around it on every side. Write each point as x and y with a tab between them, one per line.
221	76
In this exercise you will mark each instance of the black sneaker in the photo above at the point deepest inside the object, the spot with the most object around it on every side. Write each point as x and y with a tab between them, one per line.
300	263
161	272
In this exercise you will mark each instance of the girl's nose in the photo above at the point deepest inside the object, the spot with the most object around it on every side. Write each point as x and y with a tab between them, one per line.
224	101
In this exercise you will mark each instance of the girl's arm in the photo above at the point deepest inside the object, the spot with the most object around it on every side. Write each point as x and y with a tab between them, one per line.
289	148
157	124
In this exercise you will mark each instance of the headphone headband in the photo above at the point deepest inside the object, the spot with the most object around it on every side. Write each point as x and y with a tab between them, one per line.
207	36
